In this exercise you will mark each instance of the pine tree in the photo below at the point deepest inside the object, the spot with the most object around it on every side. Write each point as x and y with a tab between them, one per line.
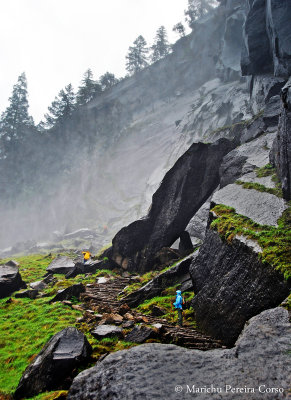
108	80
198	9
179	28
62	107
161	46
88	89
137	56
15	121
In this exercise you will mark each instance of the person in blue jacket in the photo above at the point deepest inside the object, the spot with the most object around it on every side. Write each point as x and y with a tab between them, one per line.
179	306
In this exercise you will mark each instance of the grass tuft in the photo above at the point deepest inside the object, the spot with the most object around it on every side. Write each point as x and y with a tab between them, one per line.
274	241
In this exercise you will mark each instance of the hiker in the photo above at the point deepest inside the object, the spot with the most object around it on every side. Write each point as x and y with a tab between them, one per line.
87	255
179	306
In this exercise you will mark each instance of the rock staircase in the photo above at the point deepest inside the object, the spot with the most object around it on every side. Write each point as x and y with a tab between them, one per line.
106	295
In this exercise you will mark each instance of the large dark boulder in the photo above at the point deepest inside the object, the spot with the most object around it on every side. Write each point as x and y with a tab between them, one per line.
260	360
185	187
61	265
231	285
54	366
69	292
267	37
10	279
281	151
179	274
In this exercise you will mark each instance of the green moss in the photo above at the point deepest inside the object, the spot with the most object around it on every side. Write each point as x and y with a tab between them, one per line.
267	170
25	327
165	302
260	188
274	241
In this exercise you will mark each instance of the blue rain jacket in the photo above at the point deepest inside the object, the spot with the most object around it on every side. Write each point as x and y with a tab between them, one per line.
179	300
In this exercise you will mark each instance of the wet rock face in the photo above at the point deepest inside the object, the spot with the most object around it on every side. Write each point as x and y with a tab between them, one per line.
182	192
259	358
263	208
231	285
267	37
53	366
10	280
281	152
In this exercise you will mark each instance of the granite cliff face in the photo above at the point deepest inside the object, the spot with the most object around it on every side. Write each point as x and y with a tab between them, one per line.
135	132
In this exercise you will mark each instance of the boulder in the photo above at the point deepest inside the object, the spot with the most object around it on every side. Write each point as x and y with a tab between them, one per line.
69	292
231	285
38	285
10	280
53	367
263	208
105	331
281	151
61	265
185	187
140	334
259	360
31	294
177	274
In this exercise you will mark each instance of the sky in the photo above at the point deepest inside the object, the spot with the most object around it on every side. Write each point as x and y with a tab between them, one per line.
55	41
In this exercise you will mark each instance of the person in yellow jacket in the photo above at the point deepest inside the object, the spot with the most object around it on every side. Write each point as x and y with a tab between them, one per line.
87	255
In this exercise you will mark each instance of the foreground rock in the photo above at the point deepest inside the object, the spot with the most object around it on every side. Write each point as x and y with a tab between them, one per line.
259	361
177	274
231	285
10	279
184	189
53	367
68	293
61	265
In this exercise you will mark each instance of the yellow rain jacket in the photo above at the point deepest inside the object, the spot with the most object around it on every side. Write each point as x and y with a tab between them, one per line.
87	255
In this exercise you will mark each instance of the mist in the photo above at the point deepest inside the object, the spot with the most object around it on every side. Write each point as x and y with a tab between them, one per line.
100	167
